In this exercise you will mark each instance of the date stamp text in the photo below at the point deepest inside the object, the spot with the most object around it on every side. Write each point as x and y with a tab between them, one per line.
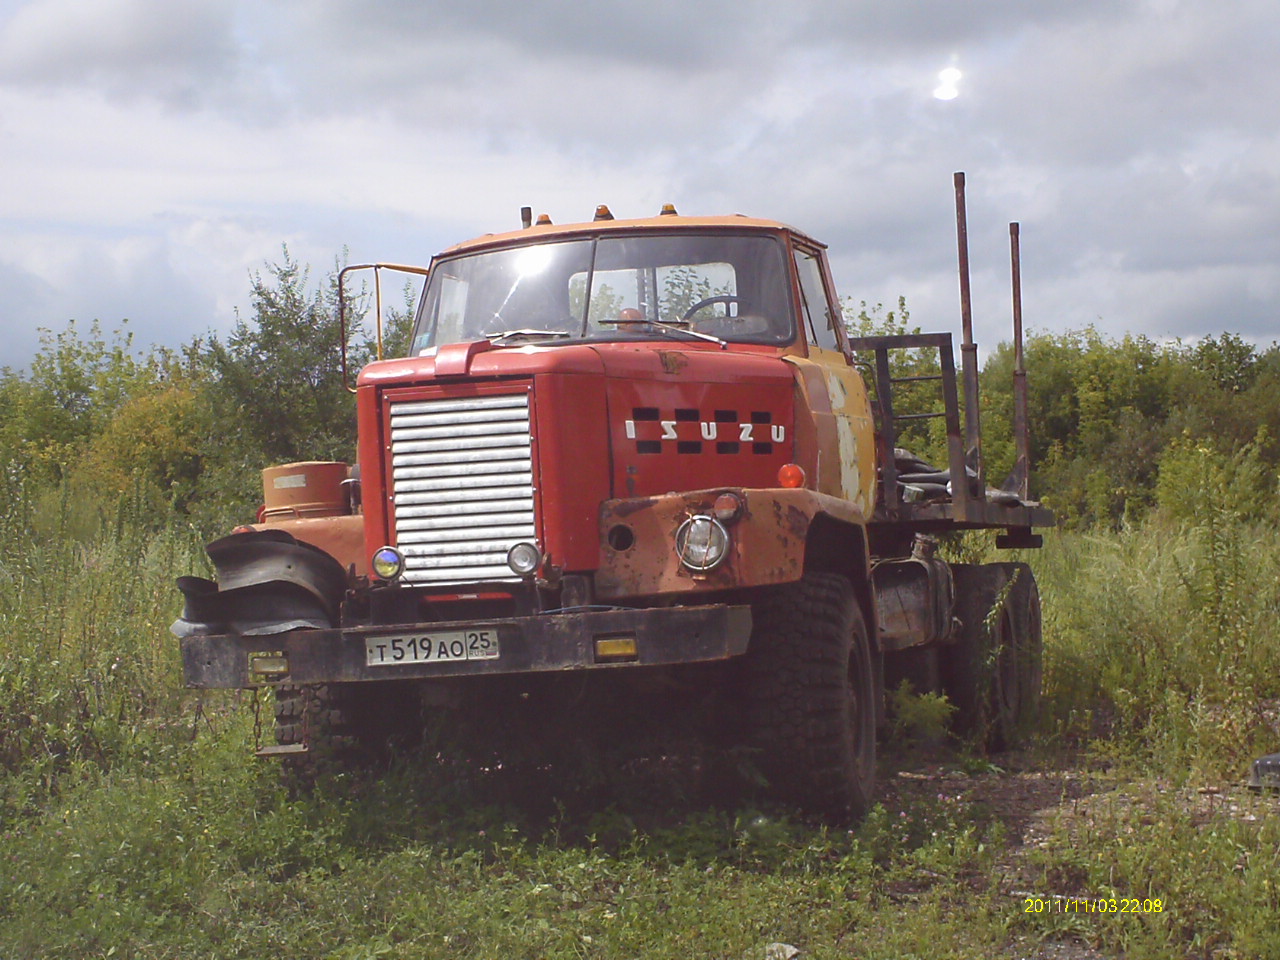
1092	905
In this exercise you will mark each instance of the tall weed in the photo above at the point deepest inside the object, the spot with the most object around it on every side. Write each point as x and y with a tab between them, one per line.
87	666
1166	635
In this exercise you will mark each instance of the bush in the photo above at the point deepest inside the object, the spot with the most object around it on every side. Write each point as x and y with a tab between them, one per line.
1200	484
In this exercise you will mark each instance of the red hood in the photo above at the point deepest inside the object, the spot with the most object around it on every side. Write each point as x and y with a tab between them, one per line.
649	360
480	360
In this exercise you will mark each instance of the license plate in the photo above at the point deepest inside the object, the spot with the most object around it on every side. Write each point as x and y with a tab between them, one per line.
438	646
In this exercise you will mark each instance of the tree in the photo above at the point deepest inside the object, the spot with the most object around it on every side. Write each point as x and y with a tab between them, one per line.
75	387
1228	360
277	393
397	328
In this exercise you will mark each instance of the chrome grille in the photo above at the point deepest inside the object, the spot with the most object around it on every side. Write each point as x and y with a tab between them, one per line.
462	477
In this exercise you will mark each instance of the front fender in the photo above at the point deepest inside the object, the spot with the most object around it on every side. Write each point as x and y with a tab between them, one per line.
268	582
768	540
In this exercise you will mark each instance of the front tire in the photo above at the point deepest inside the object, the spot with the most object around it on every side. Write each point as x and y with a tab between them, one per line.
811	697
343	726
315	718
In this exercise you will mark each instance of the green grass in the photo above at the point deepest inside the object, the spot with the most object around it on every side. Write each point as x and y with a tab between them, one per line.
203	855
1214	869
134	821
1163	640
88	673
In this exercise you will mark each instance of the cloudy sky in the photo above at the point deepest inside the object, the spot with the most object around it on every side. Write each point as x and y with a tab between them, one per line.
157	151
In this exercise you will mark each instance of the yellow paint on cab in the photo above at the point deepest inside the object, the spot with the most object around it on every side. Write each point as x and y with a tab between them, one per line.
845	429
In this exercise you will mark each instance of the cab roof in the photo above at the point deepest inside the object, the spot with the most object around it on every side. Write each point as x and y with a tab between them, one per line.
664	222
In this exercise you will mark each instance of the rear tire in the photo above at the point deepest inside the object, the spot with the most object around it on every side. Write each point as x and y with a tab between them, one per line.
993	670
811	697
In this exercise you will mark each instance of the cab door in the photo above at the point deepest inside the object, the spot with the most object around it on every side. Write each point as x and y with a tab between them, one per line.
846	443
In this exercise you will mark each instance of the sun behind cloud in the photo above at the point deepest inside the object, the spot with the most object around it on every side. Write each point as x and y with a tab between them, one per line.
948	84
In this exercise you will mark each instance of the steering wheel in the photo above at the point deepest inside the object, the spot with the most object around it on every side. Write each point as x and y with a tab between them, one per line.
727	299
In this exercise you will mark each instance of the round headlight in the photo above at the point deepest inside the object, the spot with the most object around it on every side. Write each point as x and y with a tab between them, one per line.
388	563
523	558
702	543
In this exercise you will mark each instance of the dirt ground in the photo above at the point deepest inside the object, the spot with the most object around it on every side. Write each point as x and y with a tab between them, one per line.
1025	799
1030	800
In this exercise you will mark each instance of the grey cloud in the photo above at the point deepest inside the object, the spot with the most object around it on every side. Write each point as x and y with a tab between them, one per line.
677	35
176	52
684	76
28	302
671	34
1162	304
879	29
1153	84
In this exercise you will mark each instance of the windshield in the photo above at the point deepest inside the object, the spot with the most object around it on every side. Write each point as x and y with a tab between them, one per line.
735	288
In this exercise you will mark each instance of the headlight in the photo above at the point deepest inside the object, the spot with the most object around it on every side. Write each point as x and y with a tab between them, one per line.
523	558
388	563
702	543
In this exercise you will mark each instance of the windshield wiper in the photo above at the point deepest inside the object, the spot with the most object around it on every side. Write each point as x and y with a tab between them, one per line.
497	338
669	328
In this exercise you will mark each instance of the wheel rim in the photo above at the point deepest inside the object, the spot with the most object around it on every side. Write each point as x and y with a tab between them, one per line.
1007	693
861	709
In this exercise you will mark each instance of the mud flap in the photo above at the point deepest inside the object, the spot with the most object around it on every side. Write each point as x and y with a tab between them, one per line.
268	582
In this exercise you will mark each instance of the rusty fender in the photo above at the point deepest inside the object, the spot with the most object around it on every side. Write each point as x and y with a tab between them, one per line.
768	540
341	537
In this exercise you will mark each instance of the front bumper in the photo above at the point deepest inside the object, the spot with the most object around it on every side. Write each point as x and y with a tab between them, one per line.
543	643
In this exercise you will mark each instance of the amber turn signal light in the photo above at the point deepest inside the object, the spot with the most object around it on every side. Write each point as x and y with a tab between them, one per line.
791	476
615	648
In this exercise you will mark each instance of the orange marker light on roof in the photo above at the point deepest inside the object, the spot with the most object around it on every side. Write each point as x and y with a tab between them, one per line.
791	476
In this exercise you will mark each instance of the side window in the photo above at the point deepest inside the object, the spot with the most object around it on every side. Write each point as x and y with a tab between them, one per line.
443	312
813	296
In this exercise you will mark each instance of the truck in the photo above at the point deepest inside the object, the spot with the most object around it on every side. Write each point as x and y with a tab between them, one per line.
625	455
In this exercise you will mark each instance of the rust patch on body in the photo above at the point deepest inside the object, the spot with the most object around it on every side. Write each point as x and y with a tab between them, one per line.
672	363
768	541
621	509
797	521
